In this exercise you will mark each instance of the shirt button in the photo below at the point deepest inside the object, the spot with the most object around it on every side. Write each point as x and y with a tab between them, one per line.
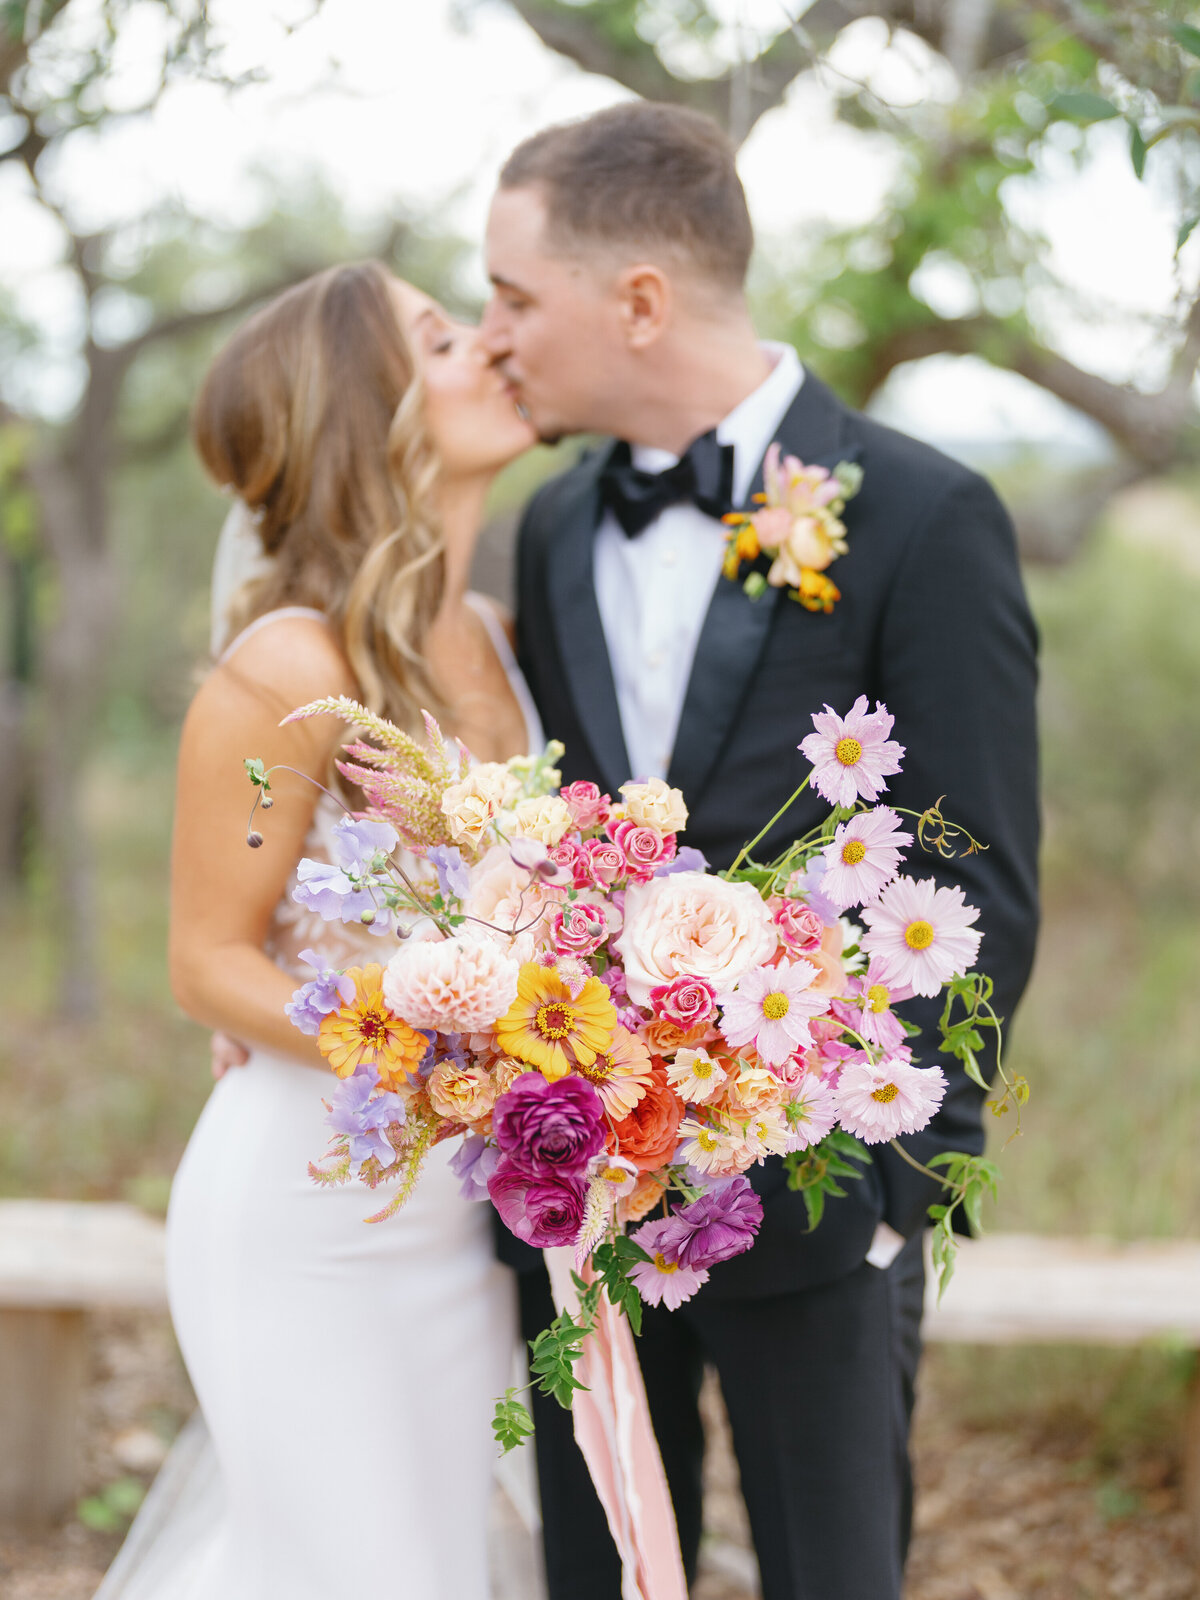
655	659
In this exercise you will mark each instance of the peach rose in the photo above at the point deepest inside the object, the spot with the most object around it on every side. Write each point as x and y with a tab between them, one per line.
503	896
650	1132
691	924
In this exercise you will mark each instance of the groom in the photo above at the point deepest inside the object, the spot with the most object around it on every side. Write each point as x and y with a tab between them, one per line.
617	248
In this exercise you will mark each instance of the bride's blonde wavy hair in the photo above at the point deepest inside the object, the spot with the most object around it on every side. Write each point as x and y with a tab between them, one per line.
313	415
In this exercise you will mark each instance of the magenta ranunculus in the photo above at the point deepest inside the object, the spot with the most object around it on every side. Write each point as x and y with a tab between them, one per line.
722	1223
800	927
588	806
541	1211
644	848
549	1129
687	1002
605	862
579	929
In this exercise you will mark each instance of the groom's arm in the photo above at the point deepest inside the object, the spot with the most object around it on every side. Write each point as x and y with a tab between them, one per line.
957	667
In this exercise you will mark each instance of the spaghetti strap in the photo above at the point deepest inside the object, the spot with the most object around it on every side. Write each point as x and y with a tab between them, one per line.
260	622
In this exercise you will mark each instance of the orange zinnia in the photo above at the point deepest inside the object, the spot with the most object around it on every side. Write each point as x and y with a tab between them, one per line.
620	1074
365	1033
551	1028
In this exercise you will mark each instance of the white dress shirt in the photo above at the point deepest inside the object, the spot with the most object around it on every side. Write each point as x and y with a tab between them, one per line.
654	591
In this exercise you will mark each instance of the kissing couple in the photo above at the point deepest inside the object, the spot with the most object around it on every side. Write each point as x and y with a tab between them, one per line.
346	1374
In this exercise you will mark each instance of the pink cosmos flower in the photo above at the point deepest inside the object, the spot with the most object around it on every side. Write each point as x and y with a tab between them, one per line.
852	756
864	856
868	1008
661	1280
589	808
769	1008
811	1112
921	934
877	1101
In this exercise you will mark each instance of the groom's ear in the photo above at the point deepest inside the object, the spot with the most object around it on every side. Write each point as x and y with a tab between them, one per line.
644	299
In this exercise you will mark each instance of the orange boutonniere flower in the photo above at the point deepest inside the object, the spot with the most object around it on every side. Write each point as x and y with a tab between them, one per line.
799	527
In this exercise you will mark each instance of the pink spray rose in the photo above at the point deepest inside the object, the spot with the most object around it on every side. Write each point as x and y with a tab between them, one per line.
579	929
605	862
645	849
587	805
799	926
687	1002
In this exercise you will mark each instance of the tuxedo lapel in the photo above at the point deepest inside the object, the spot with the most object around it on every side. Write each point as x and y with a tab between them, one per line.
736	627
575	618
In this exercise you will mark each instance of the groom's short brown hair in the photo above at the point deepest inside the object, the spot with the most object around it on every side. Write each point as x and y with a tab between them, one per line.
641	175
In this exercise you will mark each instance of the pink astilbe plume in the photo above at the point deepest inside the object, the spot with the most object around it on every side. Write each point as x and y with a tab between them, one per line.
404	780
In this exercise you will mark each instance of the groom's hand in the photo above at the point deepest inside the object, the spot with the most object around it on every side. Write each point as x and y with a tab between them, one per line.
227	1053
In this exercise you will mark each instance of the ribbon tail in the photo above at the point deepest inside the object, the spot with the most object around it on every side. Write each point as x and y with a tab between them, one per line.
613	1430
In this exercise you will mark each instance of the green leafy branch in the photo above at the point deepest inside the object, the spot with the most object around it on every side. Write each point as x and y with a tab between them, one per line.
816	1172
963	1038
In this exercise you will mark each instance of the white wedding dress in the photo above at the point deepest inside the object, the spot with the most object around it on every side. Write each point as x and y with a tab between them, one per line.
346	1372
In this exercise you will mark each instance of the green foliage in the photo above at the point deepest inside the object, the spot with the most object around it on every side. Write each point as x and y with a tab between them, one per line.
611	1261
816	1172
557	1349
113	1509
511	1423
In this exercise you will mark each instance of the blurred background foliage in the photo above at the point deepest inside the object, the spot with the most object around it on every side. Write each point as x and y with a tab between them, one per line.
107	530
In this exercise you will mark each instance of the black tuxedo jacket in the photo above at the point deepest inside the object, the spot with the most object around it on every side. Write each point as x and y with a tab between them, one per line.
933	621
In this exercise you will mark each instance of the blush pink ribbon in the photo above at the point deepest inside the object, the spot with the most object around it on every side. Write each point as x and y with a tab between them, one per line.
612	1428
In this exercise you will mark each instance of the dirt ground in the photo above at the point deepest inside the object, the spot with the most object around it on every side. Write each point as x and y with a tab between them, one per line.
1006	1512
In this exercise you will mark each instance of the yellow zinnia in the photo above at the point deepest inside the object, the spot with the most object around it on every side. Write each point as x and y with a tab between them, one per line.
364	1032
552	1029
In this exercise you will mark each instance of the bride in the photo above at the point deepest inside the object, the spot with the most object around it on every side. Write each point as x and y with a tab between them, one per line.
345	1372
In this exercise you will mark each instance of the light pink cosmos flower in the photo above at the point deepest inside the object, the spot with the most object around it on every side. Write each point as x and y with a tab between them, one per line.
867	1008
852	755
769	1008
863	856
661	1280
810	1113
921	935
877	1101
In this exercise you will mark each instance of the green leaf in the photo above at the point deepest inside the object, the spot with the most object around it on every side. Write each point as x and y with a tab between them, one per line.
512	1423
755	585
1185	35
256	771
1083	106
1186	229
1137	149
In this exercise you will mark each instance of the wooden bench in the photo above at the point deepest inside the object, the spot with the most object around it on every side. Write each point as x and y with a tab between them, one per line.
58	1261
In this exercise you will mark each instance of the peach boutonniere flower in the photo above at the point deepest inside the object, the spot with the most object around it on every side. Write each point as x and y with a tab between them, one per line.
799	526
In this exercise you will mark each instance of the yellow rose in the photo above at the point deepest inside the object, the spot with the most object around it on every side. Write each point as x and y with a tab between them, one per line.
546	818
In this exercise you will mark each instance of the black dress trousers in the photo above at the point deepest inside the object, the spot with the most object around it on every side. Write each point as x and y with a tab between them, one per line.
819	1389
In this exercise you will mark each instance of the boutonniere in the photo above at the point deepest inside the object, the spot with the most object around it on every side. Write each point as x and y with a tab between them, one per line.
799	527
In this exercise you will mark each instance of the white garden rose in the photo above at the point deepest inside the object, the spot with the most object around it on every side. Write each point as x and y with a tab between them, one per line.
545	818
654	804
690	924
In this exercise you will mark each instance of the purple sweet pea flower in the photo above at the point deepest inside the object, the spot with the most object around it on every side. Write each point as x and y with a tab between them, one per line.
541	1211
474	1162
337	890
807	885
722	1223
353	1112
454	878
688	859
549	1129
327	992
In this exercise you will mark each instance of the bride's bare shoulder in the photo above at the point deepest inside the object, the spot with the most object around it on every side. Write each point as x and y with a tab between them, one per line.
291	658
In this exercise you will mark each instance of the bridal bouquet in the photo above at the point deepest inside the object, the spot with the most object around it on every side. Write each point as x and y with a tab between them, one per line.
613	1032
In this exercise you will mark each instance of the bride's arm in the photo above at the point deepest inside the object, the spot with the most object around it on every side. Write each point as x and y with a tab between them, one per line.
223	893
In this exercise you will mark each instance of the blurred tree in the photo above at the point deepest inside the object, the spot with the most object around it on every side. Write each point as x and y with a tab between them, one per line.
1029	77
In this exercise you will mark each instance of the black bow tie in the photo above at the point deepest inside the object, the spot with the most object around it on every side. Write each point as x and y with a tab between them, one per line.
703	474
